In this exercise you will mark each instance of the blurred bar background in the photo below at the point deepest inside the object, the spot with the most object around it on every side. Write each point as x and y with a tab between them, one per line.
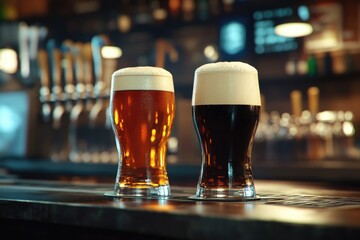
57	57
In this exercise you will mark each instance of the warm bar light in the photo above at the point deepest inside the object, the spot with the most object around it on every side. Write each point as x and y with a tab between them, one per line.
211	53
111	52
8	60
296	25
294	29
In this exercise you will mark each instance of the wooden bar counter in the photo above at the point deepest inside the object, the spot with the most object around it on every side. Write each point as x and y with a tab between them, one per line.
286	210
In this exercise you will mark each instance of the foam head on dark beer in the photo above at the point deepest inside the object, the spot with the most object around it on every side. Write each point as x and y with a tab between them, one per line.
142	78
226	83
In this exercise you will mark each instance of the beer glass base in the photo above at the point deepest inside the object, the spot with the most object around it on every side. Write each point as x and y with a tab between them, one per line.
150	192
223	194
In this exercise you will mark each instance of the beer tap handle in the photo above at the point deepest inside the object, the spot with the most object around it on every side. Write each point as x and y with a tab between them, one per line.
57	92
57	89
316	150
97	42
95	116
109	68
68	71
296	103
88	69
34	38
79	70
45	84
313	100
44	75
55	66
80	86
24	50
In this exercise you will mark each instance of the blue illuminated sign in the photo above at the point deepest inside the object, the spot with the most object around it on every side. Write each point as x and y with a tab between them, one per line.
233	38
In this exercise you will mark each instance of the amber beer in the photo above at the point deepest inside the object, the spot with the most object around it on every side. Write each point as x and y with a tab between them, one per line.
226	108
142	111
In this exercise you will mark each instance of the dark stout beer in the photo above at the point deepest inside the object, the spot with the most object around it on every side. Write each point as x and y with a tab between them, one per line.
226	133
226	107
142	111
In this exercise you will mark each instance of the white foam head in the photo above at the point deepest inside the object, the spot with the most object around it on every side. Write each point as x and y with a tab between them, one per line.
226	83
142	78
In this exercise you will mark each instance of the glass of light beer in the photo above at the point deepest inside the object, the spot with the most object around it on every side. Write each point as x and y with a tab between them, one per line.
142	108
225	108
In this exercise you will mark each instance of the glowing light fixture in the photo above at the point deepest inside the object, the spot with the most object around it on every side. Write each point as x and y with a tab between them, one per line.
296	25
294	29
211	53
8	60
111	52
348	129
124	23
160	14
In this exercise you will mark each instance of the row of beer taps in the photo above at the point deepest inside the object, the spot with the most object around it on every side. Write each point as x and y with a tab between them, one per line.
74	92
74	95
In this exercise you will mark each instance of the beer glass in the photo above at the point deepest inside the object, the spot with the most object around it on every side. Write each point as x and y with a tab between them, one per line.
225	108
142	108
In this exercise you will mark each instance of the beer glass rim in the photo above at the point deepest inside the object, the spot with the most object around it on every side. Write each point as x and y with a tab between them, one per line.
234	66
226	83
142	78
142	71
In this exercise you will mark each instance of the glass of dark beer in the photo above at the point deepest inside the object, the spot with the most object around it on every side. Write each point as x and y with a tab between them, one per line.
142	108
225	108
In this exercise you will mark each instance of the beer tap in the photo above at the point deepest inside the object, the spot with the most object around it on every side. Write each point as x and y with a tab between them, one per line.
295	129
298	127
88	74
29	37
79	72
57	98
97	115
67	48
79	113
313	100
97	43
316	146
45	85
24	51
57	92
109	69
296	103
